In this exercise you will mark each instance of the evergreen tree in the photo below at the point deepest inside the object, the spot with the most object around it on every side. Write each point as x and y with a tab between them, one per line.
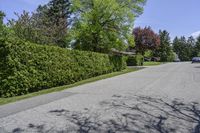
2	26
59	10
55	18
48	25
2	15
181	48
164	51
191	47
197	47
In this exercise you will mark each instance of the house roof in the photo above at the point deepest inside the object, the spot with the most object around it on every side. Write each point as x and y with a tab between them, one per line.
115	51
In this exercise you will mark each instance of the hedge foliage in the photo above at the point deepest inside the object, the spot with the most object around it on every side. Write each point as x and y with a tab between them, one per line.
136	60
27	67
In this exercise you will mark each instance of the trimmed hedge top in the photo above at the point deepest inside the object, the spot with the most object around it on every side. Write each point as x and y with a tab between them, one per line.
27	67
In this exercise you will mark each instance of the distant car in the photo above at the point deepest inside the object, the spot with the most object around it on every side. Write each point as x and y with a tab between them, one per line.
155	59
147	59
196	60
177	60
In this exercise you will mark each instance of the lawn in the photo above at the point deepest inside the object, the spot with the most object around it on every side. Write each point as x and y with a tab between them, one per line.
55	89
151	63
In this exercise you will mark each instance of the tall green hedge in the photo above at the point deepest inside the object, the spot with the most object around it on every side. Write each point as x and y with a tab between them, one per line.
26	67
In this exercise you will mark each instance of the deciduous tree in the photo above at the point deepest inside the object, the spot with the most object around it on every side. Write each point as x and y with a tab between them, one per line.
145	39
104	24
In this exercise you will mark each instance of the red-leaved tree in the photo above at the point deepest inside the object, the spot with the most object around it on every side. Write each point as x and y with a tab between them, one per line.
145	39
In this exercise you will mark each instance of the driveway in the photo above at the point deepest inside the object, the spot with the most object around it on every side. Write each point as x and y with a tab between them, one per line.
160	99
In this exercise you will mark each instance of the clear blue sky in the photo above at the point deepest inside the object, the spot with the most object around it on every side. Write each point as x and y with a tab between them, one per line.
11	6
179	17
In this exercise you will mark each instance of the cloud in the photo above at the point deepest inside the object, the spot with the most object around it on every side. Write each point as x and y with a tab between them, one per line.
196	34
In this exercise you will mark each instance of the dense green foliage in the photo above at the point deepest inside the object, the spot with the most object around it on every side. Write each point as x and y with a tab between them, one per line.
26	67
3	29
186	48
179	46
47	25
164	50
59	10
148	54
136	60
197	47
89	25
2	15
145	39
104	24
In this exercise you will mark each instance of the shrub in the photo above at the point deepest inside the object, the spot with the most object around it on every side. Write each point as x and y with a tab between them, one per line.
198	54
148	54
136	60
118	62
27	67
171	56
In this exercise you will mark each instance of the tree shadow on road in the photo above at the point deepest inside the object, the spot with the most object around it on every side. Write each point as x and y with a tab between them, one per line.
197	67
135	114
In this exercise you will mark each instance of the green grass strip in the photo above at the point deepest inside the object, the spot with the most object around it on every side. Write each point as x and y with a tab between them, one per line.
151	63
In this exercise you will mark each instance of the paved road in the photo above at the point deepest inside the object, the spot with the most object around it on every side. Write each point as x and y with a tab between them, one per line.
158	99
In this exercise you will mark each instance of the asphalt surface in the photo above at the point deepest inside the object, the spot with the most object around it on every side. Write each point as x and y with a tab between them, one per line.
160	99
